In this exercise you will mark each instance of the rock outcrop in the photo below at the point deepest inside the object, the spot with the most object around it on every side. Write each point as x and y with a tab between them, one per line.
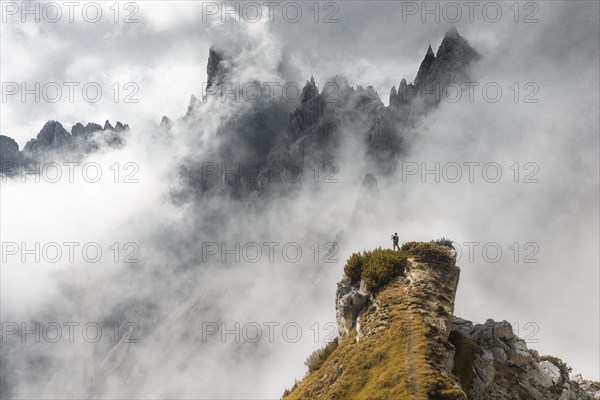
350	302
398	339
502	367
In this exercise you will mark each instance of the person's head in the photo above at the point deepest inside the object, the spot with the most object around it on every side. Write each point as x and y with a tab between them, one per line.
395	233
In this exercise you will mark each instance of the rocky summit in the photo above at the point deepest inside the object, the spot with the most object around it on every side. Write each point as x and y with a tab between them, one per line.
398	339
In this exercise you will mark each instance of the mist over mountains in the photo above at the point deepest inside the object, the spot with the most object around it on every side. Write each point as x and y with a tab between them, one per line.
313	131
263	134
223	177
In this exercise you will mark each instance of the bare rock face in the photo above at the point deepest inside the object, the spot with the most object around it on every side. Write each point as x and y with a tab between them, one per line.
350	301
504	368
425	67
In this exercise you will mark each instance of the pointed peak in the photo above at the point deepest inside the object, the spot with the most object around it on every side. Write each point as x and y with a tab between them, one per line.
312	80
426	64
452	33
108	126
453	43
52	128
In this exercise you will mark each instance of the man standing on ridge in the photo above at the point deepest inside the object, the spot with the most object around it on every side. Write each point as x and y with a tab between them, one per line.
395	241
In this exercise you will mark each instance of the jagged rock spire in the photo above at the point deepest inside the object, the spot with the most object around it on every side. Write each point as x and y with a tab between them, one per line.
393	95
429	51
402	86
120	127
455	45
425	67
309	91
218	67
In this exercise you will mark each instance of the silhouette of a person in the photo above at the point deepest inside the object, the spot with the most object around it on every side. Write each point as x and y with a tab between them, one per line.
395	241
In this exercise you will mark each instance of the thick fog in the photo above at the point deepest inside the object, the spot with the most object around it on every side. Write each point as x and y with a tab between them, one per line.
171	279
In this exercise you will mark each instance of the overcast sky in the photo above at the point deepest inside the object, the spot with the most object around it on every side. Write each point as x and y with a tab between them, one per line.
554	45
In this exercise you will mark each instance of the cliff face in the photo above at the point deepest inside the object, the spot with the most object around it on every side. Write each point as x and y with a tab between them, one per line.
398	339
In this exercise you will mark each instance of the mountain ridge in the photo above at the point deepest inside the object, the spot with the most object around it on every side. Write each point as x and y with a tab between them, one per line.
53	142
